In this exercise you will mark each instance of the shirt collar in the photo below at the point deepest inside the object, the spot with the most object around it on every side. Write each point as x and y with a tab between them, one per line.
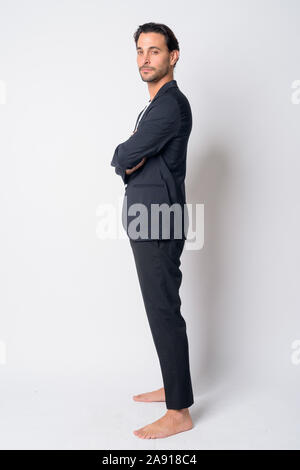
164	88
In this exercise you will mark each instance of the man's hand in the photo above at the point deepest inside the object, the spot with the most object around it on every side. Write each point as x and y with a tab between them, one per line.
131	170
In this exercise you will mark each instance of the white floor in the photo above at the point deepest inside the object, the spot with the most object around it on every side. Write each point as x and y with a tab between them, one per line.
55	412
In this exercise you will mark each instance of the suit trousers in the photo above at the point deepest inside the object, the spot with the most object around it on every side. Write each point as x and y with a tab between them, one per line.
158	268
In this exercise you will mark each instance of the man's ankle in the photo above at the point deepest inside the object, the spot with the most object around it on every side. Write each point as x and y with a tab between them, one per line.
182	411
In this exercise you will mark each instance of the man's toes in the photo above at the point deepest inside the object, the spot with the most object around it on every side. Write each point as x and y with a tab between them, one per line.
147	433
138	397
139	432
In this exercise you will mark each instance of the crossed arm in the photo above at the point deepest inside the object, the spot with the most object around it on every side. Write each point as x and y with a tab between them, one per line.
153	133
123	173
128	171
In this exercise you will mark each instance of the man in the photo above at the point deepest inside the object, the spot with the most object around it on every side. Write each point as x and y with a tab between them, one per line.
152	162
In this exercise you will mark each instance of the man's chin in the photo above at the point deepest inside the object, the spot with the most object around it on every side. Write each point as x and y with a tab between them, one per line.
148	79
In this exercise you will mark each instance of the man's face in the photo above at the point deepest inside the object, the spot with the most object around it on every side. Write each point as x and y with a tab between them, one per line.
153	57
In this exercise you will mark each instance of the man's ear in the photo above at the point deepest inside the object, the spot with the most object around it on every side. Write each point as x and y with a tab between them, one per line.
175	57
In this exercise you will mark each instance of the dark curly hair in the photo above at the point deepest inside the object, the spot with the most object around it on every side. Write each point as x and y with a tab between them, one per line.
170	38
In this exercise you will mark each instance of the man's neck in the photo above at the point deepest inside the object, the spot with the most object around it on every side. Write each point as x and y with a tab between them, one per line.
153	87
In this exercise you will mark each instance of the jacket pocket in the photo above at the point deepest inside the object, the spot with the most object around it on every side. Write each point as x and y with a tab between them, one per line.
148	193
148	184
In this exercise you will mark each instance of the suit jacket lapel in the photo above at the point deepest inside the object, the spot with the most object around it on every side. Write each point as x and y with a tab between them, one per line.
160	92
138	119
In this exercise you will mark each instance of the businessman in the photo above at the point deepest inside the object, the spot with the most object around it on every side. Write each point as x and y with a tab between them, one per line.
152	165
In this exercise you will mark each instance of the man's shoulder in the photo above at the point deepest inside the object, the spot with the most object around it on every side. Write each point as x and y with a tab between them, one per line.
178	102
166	104
175	94
169	98
171	104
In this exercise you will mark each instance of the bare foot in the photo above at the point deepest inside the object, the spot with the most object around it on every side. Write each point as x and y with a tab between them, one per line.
156	395
173	422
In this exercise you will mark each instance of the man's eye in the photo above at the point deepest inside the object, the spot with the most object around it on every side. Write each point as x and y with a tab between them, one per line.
154	52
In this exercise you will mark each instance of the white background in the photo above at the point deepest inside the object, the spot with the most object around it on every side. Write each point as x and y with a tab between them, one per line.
74	335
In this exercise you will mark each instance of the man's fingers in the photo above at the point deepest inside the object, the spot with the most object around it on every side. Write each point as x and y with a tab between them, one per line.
128	171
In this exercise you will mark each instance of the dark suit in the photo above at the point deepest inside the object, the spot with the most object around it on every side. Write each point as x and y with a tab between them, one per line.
162	136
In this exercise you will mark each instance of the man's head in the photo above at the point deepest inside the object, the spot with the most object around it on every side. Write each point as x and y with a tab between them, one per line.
157	51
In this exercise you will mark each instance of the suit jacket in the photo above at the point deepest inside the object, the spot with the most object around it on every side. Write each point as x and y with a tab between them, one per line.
162	137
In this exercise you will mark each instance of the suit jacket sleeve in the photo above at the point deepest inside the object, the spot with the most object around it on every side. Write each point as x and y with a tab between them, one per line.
121	172
153	133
